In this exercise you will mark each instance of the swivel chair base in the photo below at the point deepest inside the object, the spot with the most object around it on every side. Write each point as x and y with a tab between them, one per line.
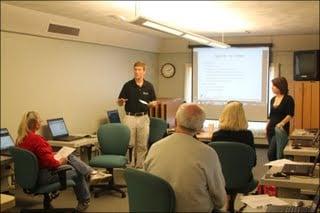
103	189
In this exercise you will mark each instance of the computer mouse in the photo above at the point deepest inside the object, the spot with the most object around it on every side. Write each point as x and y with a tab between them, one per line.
279	174
300	203
296	147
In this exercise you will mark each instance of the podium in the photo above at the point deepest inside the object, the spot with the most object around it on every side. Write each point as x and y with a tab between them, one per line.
166	109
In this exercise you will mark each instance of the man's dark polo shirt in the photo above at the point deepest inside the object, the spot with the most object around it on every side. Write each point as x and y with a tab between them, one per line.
133	93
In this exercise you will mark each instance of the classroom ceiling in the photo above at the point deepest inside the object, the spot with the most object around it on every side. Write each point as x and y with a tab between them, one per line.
209	18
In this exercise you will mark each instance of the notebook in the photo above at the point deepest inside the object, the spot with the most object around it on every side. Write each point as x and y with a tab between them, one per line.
6	141
59	130
312	208
113	116
300	169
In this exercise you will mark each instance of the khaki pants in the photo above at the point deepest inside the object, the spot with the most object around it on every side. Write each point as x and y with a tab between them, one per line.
139	135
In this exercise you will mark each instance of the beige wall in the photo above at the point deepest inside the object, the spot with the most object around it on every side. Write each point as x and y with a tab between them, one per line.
173	87
59	78
22	20
176	52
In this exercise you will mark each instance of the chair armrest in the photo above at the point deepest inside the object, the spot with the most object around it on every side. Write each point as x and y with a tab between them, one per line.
62	173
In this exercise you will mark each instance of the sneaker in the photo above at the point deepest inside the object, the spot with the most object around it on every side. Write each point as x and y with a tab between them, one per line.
82	206
99	176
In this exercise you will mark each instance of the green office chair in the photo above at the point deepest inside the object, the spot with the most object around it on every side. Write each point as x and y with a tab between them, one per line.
158	129
237	161
148	193
26	171
113	140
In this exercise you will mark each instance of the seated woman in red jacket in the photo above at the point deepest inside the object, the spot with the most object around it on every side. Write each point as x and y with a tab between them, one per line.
80	172
233	125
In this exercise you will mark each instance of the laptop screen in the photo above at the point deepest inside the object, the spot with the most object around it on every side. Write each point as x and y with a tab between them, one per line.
57	127
113	116
6	139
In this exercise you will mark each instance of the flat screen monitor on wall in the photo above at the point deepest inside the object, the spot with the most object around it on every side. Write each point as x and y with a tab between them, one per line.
236	73
307	65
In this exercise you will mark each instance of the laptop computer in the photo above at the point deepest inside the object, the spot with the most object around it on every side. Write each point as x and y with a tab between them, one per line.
113	116
313	208
300	169
304	134
307	143
59	130
6	141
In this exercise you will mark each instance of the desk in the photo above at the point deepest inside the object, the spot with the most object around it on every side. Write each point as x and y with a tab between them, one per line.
7	202
5	160
302	154
6	173
85	145
204	136
264	209
291	187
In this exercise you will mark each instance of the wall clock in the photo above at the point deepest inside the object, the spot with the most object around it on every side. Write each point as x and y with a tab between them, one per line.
168	70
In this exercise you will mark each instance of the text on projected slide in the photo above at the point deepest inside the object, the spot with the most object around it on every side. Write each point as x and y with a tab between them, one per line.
234	74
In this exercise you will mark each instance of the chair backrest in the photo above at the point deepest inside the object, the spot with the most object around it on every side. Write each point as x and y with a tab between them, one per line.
25	167
114	138
158	129
237	160
148	193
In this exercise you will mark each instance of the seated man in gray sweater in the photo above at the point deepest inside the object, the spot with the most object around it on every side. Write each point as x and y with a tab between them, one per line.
192	168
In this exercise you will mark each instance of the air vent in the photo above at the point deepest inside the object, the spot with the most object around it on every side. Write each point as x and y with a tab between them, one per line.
54	28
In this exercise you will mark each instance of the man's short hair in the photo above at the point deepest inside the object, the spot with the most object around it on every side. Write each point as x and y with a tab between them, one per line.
190	117
140	64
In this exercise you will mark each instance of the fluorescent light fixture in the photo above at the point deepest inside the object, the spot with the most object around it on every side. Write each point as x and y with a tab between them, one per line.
214	43
145	22
196	38
162	28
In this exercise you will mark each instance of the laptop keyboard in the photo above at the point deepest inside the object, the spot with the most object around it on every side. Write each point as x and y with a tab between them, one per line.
70	138
288	209
296	209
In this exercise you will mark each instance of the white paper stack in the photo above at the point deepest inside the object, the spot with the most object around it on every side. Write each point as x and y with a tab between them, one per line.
64	152
259	201
281	162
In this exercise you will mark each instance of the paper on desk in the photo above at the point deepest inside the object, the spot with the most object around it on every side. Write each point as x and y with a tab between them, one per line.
258	201
64	152
281	162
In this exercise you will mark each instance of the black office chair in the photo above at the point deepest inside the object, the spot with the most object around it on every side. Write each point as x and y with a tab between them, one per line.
26	172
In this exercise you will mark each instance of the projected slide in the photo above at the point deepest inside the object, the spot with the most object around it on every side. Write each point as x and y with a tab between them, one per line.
224	75
221	75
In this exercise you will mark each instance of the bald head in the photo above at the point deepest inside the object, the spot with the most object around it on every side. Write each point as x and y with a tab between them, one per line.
190	117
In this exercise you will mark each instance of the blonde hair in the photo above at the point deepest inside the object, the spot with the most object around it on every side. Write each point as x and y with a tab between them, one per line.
27	124
233	117
140	64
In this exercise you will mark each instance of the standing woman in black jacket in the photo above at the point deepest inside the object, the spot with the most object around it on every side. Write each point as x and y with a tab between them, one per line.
281	113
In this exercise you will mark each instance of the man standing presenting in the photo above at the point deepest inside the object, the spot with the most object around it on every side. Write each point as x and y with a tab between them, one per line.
138	95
